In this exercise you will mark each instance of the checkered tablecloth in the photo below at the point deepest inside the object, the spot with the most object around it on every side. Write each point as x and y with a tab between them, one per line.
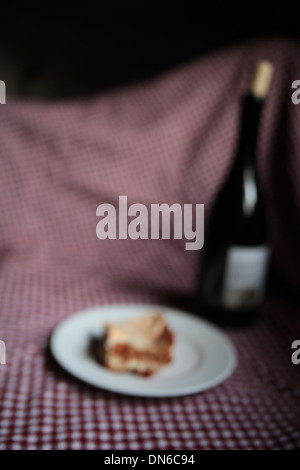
169	140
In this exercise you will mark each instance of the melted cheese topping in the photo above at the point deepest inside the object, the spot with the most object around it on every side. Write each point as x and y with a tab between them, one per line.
140	332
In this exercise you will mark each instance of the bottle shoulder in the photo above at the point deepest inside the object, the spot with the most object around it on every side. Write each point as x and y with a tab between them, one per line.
238	213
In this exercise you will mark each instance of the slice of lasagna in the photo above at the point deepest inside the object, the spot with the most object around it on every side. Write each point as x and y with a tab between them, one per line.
141	345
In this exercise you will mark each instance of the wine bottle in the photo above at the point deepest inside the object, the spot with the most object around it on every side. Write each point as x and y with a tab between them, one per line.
236	252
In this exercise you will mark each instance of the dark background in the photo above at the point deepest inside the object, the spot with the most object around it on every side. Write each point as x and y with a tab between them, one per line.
81	50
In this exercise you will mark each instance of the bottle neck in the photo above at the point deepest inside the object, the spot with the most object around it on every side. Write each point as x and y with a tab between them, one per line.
251	110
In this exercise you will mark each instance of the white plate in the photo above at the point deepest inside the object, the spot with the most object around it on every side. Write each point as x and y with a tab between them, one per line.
203	356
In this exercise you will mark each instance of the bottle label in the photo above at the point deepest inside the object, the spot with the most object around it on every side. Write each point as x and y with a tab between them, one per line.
245	276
